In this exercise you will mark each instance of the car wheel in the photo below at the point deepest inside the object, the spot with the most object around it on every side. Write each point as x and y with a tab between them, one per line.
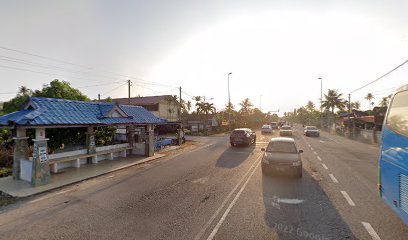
232	145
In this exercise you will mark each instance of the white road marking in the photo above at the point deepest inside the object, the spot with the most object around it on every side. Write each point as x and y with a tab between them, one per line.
290	200
325	167
371	231
224	216
200	180
311	148
315	153
333	178
319	158
348	198
321	141
202	231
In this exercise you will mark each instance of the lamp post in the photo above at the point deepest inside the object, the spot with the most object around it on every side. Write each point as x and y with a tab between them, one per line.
229	104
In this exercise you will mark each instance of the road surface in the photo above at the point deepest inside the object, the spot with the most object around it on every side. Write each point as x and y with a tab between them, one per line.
219	192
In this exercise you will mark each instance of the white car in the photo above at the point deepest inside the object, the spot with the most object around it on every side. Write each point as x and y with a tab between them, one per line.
311	131
266	129
286	131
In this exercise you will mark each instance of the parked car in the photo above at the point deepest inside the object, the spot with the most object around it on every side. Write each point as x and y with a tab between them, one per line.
266	129
274	125
282	156
242	136
311	131
285	131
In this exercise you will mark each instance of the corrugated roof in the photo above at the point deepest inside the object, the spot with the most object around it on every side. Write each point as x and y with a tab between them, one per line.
51	111
149	100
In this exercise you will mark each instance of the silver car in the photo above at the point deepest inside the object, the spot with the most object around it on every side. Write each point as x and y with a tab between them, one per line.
282	156
311	131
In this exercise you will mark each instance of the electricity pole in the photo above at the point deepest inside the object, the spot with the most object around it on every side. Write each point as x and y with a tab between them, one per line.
229	105
181	105
99	97
128	91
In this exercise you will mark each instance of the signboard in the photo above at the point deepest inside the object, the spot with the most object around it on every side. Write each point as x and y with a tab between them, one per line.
42	154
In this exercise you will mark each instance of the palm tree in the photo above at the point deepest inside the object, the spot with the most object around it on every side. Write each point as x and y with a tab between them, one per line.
333	100
246	107
23	90
369	97
170	100
207	108
310	106
384	102
356	105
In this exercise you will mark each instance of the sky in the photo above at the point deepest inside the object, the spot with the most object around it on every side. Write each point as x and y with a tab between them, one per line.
276	50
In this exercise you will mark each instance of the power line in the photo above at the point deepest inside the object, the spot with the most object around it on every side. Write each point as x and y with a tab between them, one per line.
112	90
382	76
141	80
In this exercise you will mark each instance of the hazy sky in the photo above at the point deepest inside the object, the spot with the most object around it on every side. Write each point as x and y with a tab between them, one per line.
275	49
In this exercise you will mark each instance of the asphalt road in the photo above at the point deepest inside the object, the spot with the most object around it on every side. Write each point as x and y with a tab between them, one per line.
219	192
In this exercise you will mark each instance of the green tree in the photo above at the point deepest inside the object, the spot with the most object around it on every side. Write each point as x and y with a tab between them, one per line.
61	89
246	107
207	108
385	101
333	100
369	97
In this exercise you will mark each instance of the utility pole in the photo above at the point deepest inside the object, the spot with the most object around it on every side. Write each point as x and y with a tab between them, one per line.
229	105
99	97
321	100
128	91
181	105
349	112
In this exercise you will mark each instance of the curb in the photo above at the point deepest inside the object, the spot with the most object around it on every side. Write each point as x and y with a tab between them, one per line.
149	159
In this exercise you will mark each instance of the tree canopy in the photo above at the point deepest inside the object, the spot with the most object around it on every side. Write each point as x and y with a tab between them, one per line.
55	89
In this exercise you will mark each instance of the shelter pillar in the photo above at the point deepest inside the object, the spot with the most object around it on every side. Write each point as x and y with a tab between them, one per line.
150	141
20	151
41	169
90	144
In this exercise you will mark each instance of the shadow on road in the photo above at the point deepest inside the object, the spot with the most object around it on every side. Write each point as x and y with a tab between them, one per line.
299	209
232	157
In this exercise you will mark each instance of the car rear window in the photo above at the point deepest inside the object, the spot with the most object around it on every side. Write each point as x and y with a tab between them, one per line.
266	126
286	128
238	132
311	128
285	147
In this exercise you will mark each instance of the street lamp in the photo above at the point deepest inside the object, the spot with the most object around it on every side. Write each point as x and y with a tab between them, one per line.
229	104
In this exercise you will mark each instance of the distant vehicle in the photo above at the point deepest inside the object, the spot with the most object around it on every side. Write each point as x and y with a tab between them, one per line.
242	136
285	131
266	129
311	131
393	166
274	125
282	156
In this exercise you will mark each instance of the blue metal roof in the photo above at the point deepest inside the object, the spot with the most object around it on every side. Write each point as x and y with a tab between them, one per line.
51	111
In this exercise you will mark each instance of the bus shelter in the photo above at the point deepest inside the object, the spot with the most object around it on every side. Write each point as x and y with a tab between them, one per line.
135	126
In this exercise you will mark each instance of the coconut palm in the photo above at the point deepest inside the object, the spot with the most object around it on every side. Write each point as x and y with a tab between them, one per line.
207	108
384	102
356	105
246	107
310	106
333	100
369	97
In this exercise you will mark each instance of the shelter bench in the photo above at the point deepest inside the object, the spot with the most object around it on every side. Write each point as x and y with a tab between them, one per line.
77	158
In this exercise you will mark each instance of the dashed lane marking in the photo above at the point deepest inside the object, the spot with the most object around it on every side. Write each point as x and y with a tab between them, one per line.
348	198
253	167
319	158
315	153
371	231
333	178
324	166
